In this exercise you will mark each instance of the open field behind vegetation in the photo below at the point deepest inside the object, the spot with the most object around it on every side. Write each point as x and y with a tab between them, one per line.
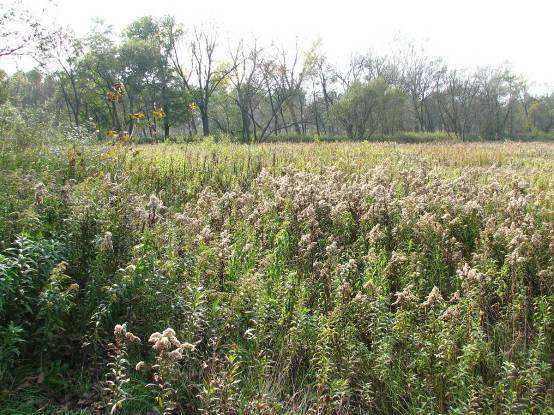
308	278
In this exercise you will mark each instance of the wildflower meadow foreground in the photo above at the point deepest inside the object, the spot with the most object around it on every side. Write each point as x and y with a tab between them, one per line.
315	278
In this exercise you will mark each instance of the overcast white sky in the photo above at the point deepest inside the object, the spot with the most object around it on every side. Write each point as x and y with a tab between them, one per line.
467	33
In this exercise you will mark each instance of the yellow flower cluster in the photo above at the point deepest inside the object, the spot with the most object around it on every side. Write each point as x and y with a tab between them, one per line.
193	106
114	96
158	113
117	94
137	115
117	134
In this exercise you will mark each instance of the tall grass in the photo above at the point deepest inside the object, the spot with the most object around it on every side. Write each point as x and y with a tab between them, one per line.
316	278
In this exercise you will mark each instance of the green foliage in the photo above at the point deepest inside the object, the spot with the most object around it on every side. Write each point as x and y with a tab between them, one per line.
367	108
11	341
56	301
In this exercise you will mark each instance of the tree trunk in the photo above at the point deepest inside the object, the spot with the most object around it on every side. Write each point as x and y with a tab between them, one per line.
290	106
205	122
77	104
165	107
245	124
316	115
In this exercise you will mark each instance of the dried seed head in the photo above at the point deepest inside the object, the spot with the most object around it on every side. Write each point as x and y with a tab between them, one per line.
406	296
169	332
434	298
175	354
162	344
154	337
119	329
131	338
107	244
188	346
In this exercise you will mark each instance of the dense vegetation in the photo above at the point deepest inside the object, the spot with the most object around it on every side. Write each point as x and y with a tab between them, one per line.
223	271
317	278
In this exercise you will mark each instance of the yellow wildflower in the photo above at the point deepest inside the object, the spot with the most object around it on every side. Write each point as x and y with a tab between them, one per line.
158	113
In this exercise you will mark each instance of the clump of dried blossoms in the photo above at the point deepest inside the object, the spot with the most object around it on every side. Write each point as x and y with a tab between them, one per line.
106	244
153	212
434	298
406	297
113	389
40	193
169	351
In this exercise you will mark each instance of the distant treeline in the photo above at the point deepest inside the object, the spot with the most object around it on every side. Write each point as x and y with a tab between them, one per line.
158	79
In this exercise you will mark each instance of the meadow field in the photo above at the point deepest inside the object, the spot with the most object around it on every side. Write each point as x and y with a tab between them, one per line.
278	278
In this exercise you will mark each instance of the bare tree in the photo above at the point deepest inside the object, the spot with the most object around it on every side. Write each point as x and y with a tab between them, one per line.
244	78
501	92
322	76
199	76
457	93
20	30
274	121
417	73
292	71
354	72
65	52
